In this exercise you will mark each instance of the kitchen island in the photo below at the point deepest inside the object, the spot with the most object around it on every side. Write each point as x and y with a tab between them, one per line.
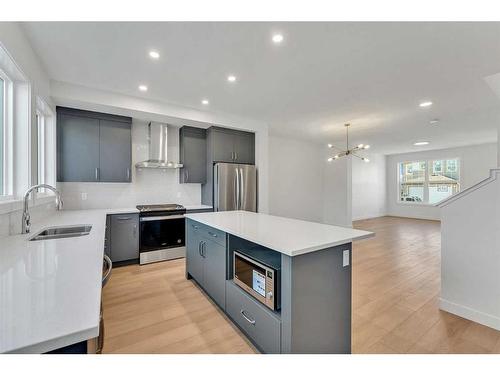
313	262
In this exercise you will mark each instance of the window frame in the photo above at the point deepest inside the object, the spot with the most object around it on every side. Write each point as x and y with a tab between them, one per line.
7	139
46	146
428	166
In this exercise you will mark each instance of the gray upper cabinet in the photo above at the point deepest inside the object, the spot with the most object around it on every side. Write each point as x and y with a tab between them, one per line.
232	146
115	151
193	155
93	147
222	145
77	148
244	148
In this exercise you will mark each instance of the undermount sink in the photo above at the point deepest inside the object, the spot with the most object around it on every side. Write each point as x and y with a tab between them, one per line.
62	232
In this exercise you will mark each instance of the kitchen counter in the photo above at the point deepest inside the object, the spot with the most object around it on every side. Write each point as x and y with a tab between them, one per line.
288	236
50	290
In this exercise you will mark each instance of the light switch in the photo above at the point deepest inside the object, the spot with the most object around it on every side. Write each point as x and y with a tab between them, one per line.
345	260
84	196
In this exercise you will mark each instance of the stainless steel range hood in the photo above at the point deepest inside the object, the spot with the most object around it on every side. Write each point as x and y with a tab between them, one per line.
157	138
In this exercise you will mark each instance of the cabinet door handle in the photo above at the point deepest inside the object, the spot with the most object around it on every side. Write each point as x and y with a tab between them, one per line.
204	249
135	230
97	174
196	227
235	156
199	248
251	321
186	175
128	174
212	234
124	218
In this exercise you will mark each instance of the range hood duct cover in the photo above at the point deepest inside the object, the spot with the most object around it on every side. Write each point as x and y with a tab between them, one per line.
158	146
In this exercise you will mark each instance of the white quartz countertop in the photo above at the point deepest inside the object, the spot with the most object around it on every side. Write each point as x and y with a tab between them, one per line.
288	236
50	290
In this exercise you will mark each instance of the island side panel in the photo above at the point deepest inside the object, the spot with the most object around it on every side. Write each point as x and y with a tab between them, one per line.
316	302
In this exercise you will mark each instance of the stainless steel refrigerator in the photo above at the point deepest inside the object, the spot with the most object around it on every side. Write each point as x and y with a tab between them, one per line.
235	187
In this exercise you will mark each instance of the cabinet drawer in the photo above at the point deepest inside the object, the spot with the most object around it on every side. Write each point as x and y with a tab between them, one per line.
256	320
213	234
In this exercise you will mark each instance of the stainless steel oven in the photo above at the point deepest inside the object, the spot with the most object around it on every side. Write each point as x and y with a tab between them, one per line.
260	280
161	233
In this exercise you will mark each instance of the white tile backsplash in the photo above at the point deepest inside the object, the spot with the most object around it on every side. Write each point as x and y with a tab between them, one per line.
148	186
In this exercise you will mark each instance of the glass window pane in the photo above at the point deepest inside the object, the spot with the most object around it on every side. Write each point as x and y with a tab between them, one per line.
444	179
2	89
412	181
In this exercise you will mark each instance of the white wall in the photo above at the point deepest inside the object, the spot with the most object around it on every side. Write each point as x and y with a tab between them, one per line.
337	191
470	254
30	79
303	185
295	179
475	164
369	187
148	186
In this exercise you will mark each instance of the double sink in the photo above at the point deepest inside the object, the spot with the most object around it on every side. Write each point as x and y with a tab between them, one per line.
68	231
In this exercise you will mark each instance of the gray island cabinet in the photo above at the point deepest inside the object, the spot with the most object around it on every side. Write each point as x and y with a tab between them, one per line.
314	285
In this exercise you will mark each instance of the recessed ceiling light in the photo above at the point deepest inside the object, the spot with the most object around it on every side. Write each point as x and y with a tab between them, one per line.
277	38
143	88
231	78
205	102
422	143
154	55
330	145
330	159
366	160
425	104
434	122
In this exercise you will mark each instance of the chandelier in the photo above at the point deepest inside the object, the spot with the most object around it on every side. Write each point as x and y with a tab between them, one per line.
348	151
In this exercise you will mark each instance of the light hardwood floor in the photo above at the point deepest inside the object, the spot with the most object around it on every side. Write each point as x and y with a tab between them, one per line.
396	280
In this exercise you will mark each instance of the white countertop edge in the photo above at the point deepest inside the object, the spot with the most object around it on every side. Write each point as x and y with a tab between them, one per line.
305	250
57	343
328	245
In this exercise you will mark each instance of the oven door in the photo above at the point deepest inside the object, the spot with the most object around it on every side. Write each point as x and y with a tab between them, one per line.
161	232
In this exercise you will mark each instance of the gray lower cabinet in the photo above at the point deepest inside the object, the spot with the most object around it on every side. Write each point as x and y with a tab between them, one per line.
124	236
256	320
193	155
214	277
206	259
93	147
194	258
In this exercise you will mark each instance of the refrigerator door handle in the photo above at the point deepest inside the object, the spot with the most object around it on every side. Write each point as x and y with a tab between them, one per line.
242	191
237	192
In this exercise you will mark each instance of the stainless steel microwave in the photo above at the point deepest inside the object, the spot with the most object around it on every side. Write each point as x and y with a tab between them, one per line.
257	279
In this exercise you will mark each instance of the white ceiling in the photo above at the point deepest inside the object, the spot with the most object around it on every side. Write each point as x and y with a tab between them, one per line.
324	74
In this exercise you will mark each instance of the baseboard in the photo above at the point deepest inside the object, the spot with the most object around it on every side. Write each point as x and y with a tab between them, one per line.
471	314
368	217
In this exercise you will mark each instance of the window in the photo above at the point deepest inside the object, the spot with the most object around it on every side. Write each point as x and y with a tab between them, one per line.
2	122
5	136
428	181
43	146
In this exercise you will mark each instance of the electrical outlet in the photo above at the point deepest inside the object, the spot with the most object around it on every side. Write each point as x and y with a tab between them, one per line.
84	196
345	258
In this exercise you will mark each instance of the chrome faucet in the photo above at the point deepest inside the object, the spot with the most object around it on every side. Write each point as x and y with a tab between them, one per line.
26	215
